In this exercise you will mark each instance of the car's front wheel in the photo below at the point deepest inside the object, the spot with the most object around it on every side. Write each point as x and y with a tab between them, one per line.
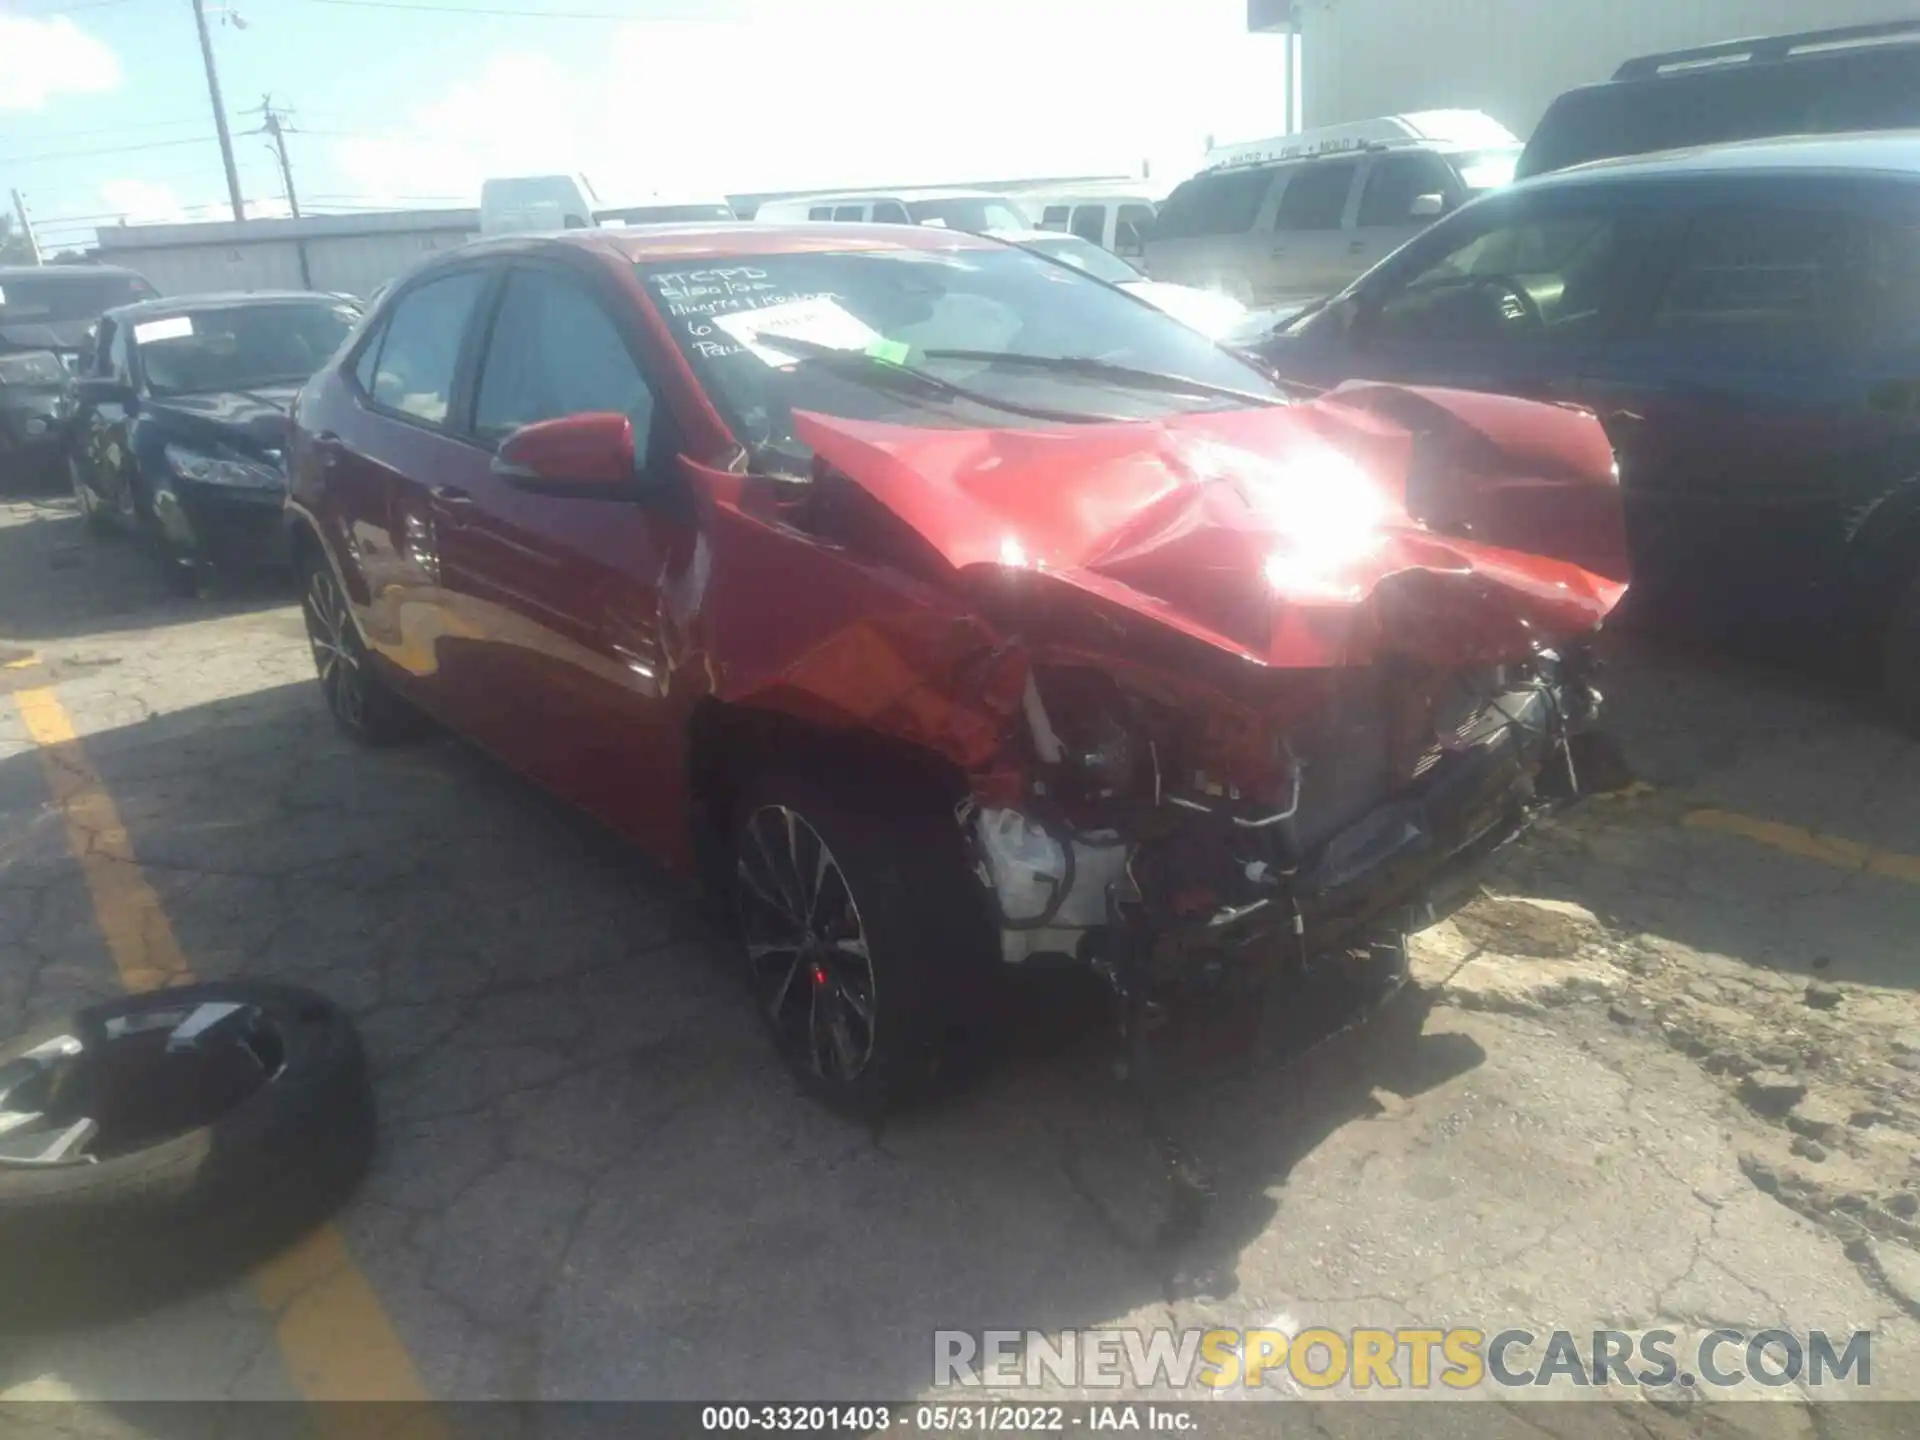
865	949
359	698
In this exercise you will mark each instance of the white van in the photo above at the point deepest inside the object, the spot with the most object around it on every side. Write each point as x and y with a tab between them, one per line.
1116	216
1296	217
520	203
976	210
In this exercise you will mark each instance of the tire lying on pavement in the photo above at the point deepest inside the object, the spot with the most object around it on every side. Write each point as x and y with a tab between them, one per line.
163	1142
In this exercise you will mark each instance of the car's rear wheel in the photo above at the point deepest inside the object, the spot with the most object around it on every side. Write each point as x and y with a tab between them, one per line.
1900	658
358	697
864	950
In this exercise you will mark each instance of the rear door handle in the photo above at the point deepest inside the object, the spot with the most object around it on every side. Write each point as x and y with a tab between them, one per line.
450	495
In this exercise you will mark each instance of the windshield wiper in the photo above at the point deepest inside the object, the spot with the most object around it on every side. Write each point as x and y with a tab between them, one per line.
1110	370
857	364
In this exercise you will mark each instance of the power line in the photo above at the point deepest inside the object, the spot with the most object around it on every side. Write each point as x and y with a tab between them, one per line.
110	150
68	9
604	15
120	129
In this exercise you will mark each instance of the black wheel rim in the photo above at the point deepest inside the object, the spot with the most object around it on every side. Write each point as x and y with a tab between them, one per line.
336	653
806	945
133	1081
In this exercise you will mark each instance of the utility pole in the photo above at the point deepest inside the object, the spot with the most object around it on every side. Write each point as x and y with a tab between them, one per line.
26	228
270	122
219	112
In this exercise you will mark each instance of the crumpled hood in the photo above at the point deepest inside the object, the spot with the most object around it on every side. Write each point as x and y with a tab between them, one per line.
249	420
1450	526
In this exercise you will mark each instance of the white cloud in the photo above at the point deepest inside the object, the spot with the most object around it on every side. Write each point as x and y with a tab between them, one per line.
142	202
43	58
848	92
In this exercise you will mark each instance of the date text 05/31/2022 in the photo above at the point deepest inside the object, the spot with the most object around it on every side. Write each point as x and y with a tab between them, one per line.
940	1418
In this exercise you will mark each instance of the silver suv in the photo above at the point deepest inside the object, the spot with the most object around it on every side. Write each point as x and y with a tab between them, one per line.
1286	220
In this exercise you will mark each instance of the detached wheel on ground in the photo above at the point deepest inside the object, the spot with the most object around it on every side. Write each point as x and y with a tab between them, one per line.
163	1142
865	948
360	700
1900	659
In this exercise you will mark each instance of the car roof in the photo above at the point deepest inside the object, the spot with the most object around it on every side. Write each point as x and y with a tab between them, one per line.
1872	152
217	300
736	239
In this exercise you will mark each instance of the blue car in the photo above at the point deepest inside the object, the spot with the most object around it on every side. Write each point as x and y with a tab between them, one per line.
1745	320
179	422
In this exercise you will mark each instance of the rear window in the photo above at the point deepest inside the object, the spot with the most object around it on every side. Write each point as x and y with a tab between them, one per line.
1224	202
1876	88
65	295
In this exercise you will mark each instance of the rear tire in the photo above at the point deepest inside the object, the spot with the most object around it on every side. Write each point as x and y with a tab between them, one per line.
866	947
1900	659
357	695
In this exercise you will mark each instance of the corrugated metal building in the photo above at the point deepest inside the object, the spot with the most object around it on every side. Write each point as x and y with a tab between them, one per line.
351	254
1365	58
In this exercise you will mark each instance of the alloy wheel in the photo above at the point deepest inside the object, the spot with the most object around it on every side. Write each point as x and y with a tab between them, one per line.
806	945
336	652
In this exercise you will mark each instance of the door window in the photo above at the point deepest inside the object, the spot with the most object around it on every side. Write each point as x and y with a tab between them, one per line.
1396	181
119	366
849	212
891	212
1764	275
1518	279
1223	203
1054	217
1316	196
1131	229
414	374
1090	223
820	212
554	351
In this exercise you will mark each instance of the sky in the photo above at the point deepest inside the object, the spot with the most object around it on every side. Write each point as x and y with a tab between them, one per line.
104	111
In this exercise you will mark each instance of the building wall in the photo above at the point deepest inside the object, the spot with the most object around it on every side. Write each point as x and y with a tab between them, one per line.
1510	58
353	255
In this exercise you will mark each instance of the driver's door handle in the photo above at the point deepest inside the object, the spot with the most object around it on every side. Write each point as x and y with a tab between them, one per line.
450	495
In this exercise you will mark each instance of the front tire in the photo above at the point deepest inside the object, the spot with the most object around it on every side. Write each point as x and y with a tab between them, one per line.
358	697
864	944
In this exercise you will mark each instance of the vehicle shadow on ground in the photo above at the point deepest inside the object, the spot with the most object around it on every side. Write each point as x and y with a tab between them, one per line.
59	581
595	1180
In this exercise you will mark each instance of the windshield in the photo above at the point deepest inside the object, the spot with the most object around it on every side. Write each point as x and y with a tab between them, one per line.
239	347
661	214
1087	256
905	303
969	214
56	297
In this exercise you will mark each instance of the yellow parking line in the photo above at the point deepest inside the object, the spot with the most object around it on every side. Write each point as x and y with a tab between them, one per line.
338	1343
1832	850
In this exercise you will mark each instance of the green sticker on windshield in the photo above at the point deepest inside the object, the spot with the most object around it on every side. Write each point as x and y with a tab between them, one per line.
891	351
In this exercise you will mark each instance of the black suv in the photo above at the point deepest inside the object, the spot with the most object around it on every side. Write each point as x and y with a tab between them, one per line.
1860	77
1745	319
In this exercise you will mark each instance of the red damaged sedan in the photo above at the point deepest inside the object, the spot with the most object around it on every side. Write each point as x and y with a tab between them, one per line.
947	609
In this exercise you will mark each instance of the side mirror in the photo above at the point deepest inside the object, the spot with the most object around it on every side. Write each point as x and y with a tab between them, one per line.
94	390
1426	207
587	457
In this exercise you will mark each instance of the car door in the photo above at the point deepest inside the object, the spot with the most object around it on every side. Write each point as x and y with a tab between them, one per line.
1400	196
1309	247
1516	296
1773	387
571	685
398	445
105	444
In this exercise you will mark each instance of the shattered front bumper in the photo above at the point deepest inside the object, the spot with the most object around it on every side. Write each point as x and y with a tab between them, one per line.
1214	884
